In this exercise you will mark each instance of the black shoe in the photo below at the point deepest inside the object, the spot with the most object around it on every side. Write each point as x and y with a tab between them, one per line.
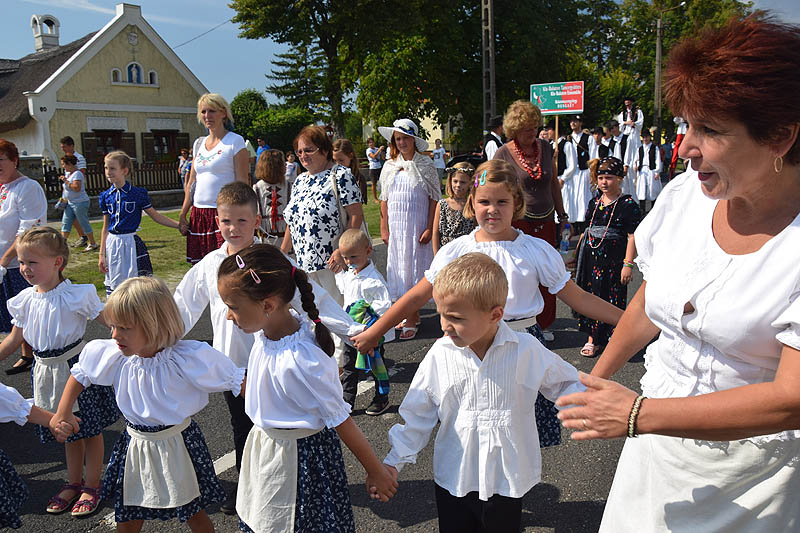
26	364
378	406
229	507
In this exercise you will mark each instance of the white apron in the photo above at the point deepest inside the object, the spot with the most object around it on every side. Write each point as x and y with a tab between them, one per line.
50	375
648	184
522	324
267	492
120	259
159	473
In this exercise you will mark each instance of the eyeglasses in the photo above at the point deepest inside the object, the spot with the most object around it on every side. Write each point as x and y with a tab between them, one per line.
3	159
306	151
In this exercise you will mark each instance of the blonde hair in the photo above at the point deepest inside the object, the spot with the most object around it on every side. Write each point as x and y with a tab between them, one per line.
465	168
496	171
122	159
345	146
146	302
215	101
476	277
49	240
354	238
519	116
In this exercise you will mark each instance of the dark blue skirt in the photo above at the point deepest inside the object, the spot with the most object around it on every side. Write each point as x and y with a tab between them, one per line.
547	423
211	490
143	264
323	501
13	493
13	283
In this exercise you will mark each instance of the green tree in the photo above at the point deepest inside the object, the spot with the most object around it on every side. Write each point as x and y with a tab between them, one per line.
279	125
245	107
300	76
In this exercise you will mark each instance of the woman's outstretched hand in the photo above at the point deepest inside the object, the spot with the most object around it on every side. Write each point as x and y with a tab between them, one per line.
599	413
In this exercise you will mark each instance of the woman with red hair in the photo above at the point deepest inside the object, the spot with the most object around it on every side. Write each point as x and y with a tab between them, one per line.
718	417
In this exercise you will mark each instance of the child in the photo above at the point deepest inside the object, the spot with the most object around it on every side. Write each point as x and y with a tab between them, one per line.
292	476
647	164
291	168
77	200
449	221
606	249
13	492
273	194
123	254
160	467
480	381
51	316
363	286
345	155
496	200
238	219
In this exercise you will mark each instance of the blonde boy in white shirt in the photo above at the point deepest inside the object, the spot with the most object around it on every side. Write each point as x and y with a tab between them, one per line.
480	381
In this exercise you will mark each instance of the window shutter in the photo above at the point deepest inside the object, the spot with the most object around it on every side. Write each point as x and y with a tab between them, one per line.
183	141
128	144
148	147
89	147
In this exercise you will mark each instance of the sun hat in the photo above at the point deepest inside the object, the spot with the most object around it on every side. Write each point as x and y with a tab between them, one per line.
407	126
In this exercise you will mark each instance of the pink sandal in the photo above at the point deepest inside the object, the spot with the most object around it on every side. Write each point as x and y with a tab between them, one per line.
57	504
92	504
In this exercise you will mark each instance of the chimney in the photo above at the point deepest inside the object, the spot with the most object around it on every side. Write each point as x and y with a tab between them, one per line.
45	32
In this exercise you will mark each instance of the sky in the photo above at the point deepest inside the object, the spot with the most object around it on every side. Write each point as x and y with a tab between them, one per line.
220	59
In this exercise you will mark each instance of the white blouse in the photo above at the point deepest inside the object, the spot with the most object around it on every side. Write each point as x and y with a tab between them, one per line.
161	390
746	307
198	289
56	318
22	206
13	407
293	384
367	285
487	440
527	262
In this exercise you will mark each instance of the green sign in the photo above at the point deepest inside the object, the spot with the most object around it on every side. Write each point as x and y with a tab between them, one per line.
558	98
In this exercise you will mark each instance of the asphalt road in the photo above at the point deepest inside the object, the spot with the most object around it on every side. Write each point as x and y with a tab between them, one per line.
575	481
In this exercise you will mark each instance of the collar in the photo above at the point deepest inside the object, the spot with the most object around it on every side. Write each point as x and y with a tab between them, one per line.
125	188
366	270
496	136
503	336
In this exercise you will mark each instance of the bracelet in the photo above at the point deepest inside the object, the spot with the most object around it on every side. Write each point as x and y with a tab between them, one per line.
563	217
629	264
637	404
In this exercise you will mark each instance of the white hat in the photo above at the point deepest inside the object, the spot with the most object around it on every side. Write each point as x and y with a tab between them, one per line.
407	126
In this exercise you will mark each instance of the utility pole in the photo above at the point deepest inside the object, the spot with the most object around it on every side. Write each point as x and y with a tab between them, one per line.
657	84
487	41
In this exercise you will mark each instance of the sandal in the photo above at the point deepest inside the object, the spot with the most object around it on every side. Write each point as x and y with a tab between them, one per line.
90	505
19	369
589	350
401	325
408	333
57	504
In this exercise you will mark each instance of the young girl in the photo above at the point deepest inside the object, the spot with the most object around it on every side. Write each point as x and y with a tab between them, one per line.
13	492
345	155
160	467
495	200
51	316
449	221
77	206
123	254
291	168
606	249
292	476
272	190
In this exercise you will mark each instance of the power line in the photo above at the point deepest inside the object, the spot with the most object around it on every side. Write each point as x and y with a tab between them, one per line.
204	33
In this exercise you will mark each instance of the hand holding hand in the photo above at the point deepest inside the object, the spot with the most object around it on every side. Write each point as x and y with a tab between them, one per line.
381	485
63	426
599	413
183	226
365	341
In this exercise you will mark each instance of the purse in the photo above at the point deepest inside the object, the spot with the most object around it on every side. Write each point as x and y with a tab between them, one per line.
344	217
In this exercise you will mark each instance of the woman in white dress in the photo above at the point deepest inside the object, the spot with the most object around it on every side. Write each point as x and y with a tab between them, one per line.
410	190
720	449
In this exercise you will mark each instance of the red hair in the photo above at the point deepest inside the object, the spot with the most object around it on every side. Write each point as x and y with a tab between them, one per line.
747	71
9	149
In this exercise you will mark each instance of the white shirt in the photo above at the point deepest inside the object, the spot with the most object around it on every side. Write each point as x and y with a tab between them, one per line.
81	164
374	160
491	148
291	172
56	318
571	157
214	168
292	383
22	206
487	441
527	262
636	129
626	160
438	157
72	195
13	407
747	307
646	148
198	289
162	390
367	285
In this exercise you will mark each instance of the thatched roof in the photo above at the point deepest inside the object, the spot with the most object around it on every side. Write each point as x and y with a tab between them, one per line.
27	74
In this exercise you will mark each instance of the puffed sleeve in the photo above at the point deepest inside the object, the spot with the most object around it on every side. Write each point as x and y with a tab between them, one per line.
98	363
31	206
18	305
547	261
206	368
317	376
420	411
349	191
788	322
541	370
83	300
13	407
191	296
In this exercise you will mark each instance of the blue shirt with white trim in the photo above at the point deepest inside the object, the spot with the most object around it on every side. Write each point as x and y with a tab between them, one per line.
124	207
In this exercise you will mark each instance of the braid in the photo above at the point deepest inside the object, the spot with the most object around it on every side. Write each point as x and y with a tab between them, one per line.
321	332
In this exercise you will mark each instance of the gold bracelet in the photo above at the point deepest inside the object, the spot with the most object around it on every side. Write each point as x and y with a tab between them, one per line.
637	404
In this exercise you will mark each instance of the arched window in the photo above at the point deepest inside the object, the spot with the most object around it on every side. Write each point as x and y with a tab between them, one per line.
152	77
116	75
134	73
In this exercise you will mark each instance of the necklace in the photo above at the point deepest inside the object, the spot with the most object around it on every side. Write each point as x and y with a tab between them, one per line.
589	239
535	171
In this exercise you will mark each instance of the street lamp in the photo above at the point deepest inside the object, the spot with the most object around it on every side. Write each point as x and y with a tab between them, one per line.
657	88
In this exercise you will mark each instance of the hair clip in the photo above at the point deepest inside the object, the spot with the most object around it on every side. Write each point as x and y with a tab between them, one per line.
481	180
240	264
293	270
239	261
255	276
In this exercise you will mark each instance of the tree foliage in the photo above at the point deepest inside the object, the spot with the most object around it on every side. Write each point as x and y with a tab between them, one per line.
300	76
279	125
245	107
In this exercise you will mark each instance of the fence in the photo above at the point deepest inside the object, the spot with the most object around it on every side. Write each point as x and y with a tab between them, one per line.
151	176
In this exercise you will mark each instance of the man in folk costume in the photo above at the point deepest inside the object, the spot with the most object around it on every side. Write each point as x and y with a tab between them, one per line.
599	147
494	139
631	118
648	170
680	129
576	192
620	146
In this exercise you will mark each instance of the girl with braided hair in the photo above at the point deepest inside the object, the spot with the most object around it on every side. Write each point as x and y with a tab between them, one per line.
292	476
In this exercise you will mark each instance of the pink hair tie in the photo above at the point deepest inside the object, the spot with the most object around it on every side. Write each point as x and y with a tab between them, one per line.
317	321
293	270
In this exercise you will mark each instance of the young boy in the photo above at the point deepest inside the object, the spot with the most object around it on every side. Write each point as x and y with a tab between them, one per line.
647	164
480	381
238	219
362	281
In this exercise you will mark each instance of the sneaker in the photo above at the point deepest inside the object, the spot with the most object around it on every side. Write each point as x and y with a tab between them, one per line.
91	247
229	507
80	243
378	406
548	335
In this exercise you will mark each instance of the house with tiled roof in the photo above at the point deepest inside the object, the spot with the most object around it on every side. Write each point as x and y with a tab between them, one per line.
121	87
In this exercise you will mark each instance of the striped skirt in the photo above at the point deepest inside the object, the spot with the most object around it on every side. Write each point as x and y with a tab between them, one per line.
204	235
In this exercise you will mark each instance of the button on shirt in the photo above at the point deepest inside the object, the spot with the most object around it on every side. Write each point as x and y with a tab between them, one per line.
124	207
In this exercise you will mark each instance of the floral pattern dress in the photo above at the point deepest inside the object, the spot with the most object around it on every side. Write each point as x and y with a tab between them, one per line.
312	214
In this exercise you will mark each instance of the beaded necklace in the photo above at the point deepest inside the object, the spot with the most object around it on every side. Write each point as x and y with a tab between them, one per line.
589	238
534	172
3	194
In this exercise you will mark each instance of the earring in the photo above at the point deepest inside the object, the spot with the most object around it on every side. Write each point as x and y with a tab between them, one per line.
778	164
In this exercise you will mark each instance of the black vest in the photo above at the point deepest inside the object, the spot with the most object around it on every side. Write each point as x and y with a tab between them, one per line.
633	114
490	139
604	151
582	147
562	157
653	150
623	147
